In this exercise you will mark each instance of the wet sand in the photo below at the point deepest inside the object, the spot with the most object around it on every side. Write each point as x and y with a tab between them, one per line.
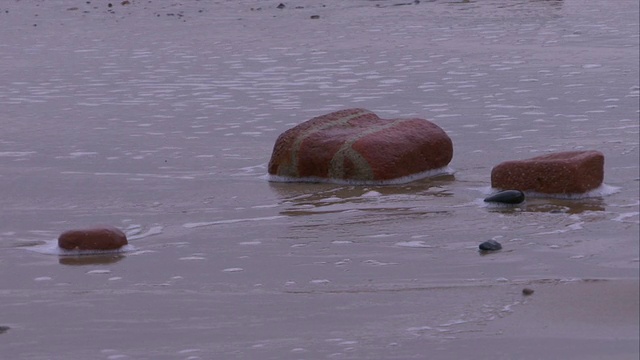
141	310
159	117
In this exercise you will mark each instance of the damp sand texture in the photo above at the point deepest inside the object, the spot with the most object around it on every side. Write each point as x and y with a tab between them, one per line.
159	118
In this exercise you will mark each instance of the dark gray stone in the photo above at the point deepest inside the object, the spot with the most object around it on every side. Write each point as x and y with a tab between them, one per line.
490	245
527	291
506	197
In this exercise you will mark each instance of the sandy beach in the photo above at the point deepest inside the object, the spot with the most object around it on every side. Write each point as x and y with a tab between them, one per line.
159	118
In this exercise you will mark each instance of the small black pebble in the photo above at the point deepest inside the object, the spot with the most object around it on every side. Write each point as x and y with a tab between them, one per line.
4	329
315	16
507	197
280	6
490	245
109	5
527	291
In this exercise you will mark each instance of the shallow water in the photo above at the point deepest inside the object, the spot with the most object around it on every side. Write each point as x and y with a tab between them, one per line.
159	118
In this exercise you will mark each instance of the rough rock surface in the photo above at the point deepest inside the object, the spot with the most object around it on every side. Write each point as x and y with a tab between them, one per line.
571	172
355	144
103	238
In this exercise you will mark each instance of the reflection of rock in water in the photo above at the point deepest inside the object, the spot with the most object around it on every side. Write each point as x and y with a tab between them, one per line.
323	193
90	259
553	206
566	206
304	199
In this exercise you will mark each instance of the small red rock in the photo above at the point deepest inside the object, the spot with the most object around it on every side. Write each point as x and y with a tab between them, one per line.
103	238
355	144
571	172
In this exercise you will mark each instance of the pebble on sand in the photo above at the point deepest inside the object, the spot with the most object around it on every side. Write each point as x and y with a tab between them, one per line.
99	238
527	291
490	245
506	197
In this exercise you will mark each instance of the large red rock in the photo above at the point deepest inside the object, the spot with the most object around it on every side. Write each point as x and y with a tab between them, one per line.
356	144
103	238
571	172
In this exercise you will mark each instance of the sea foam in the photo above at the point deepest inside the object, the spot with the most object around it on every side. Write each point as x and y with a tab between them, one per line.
601	191
401	180
50	247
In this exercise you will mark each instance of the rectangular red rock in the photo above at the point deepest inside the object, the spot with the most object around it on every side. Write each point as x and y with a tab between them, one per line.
571	172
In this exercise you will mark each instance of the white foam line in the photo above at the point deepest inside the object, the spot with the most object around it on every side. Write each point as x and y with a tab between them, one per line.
154	230
401	180
230	221
623	216
419	328
16	153
602	190
627	205
575	226
413	244
51	247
